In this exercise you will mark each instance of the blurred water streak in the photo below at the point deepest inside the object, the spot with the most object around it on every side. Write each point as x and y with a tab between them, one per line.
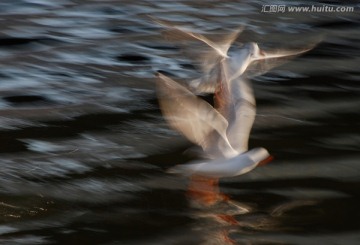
84	146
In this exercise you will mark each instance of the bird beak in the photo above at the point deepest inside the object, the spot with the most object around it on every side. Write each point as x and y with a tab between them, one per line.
266	161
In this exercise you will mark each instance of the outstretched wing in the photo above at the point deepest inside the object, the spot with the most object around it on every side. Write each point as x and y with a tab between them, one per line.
175	32
242	114
208	55
269	60
240	125
197	120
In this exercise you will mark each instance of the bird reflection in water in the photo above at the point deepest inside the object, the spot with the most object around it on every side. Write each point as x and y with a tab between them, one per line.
222	131
204	192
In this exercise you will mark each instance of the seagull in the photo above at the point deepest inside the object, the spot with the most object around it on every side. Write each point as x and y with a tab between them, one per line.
221	131
205	126
244	60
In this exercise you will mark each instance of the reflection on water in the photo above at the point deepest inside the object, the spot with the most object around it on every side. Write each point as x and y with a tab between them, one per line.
216	215
84	147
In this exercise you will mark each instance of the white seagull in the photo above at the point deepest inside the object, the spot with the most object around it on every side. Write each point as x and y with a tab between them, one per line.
223	131
205	126
246	60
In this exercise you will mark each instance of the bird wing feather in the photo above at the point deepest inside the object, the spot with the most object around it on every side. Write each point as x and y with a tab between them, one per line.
207	56
196	119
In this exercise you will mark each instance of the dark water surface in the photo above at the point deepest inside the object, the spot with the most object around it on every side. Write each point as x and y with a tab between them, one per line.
84	146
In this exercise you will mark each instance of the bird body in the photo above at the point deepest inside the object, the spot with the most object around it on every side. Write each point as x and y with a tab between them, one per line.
224	167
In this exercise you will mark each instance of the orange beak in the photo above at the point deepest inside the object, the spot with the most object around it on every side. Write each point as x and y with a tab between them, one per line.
266	161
